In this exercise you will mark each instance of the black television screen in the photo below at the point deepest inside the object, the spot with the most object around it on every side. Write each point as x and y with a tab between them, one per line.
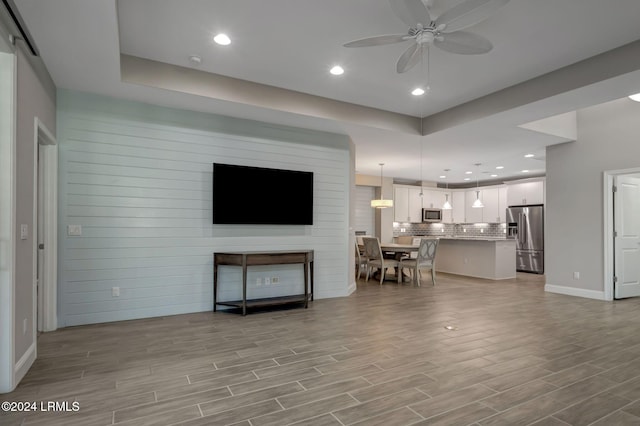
261	196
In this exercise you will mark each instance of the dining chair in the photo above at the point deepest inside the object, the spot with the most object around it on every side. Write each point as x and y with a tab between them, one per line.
375	259
361	261
425	259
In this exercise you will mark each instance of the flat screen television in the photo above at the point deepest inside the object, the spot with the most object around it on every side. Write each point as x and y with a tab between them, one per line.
261	196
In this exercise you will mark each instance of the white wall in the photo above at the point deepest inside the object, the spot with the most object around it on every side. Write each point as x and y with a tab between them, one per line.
607	140
137	178
7	229
365	218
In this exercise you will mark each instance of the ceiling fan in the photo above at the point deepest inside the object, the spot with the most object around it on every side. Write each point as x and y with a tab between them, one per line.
445	32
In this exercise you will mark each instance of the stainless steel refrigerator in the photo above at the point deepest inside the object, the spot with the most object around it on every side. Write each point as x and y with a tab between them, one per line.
525	224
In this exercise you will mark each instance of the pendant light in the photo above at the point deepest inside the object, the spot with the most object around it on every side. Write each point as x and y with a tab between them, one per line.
447	204
477	204
381	203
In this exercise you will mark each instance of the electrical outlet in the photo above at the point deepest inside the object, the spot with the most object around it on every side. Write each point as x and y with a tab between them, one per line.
258	281
24	326
275	280
267	281
576	275
115	291
466	260
74	230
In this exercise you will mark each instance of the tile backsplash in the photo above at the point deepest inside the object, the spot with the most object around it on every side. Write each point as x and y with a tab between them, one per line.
451	229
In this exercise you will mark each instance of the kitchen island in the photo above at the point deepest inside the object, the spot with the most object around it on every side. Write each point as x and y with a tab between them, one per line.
481	257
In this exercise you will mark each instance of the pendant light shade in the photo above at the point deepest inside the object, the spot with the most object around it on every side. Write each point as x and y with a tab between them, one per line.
381	203
477	204
447	205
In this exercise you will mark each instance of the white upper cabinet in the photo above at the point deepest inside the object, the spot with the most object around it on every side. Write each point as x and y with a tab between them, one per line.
491	212
502	204
407	204
432	199
491	201
523	193
472	215
458	204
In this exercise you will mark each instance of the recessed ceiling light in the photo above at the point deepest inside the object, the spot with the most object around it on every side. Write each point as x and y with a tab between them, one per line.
195	59
494	175
635	97
443	177
222	39
418	91
525	171
337	70
529	156
499	167
468	172
467	178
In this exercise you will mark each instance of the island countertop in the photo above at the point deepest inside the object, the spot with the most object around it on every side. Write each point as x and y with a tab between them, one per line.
477	238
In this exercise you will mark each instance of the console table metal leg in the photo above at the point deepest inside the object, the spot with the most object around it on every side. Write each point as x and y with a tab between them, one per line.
311	273
306	284
244	285
215	284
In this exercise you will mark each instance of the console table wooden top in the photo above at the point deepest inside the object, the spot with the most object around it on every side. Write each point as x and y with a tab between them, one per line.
274	257
253	258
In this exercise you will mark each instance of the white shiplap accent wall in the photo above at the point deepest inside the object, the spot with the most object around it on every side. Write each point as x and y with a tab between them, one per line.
137	178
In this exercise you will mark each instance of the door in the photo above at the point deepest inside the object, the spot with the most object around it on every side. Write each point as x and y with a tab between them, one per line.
626	241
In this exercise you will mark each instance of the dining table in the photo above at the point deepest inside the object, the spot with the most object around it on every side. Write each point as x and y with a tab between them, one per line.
396	251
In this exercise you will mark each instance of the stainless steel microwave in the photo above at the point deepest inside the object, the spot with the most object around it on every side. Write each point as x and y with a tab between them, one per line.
432	215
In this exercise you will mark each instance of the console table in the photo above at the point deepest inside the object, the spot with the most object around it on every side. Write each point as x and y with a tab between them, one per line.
252	258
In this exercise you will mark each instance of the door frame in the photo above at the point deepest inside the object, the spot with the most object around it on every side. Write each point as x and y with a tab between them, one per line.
609	255
45	306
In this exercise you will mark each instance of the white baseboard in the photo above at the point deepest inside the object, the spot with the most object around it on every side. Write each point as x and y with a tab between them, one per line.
352	287
572	291
24	363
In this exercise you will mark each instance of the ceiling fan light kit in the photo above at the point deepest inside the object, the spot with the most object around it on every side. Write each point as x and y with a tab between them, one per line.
445	32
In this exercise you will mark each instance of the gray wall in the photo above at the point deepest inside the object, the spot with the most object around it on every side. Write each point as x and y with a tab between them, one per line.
137	178
36	97
607	140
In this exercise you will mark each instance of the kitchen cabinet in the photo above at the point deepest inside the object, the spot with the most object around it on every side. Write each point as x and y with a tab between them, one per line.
434	198
407	204
490	213
472	215
491	200
524	193
502	204
458	204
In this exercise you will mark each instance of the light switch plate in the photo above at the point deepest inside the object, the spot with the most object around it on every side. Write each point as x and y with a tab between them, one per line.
24	231
74	230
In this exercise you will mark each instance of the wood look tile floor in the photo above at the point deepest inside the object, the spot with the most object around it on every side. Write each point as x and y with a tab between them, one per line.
516	356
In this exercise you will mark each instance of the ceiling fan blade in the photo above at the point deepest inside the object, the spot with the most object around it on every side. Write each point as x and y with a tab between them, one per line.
463	43
409	58
378	40
411	12
468	13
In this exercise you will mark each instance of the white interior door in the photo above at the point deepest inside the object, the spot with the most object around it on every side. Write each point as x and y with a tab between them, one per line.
627	236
